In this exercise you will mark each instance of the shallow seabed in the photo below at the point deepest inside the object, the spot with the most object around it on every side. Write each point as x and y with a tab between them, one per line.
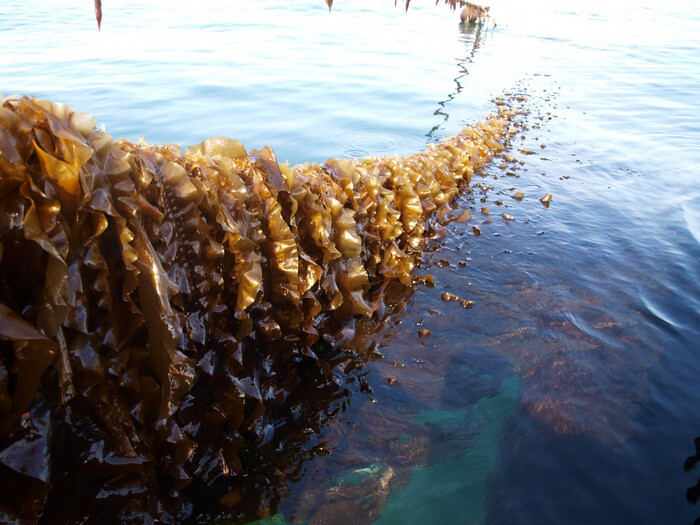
568	393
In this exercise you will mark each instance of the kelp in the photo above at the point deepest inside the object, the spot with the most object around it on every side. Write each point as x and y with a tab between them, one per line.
453	4
98	13
161	310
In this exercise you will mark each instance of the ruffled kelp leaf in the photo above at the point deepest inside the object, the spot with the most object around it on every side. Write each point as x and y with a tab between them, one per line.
165	308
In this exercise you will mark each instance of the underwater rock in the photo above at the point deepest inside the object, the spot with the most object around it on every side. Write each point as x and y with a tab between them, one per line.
358	498
160	310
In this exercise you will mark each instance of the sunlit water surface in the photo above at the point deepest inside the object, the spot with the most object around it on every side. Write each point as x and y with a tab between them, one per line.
569	393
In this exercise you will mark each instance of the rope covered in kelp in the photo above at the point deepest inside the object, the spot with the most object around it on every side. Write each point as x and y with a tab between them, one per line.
153	302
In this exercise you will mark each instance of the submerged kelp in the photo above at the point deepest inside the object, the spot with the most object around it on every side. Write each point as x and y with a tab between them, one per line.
160	310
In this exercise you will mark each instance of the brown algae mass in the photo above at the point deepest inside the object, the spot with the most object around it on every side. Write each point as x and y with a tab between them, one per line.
159	309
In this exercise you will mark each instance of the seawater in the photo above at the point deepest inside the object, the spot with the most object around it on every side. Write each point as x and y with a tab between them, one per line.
569	392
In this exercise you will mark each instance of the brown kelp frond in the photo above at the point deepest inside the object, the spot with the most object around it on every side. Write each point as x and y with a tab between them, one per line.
453	4
155	303
98	13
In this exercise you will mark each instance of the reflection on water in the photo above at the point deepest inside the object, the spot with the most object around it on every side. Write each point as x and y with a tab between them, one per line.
472	37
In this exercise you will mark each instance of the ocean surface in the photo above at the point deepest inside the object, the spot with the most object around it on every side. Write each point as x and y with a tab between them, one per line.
570	391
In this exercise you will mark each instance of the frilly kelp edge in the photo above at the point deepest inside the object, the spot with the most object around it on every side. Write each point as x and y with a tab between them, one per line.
157	306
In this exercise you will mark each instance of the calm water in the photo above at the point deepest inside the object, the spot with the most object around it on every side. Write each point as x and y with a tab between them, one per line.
569	393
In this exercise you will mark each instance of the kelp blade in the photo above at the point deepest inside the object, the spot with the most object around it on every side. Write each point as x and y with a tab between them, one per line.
156	305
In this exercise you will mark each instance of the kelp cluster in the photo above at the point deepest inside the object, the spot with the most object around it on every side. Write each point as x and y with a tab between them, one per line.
160	310
453	4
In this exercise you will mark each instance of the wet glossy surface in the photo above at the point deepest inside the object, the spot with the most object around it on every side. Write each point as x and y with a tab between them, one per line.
568	392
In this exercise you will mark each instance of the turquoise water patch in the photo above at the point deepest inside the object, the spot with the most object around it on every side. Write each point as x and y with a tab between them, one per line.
442	418
455	491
